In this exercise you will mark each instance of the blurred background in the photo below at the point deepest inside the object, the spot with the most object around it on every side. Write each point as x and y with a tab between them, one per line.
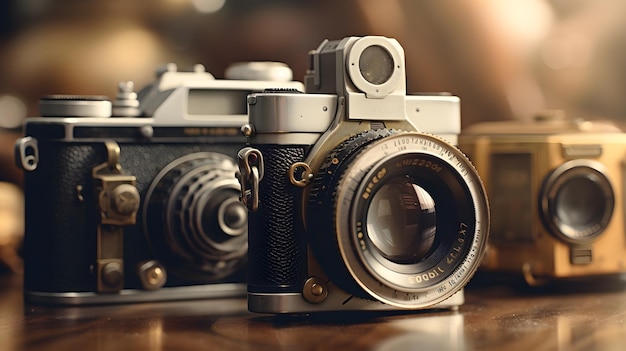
505	58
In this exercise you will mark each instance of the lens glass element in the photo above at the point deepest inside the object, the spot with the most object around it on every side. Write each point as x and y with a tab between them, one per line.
577	201
376	64
580	202
232	216
401	221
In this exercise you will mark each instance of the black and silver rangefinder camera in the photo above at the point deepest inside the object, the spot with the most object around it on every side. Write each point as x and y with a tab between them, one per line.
136	199
556	187
354	206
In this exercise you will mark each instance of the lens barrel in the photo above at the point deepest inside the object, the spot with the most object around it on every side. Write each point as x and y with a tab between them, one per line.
398	217
194	220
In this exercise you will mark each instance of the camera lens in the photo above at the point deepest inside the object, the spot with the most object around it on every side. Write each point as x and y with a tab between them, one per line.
401	221
376	64
220	213
194	219
396	217
577	201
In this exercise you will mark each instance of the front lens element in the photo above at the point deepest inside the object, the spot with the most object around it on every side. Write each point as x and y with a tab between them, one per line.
577	201
232	216
580	202
401	221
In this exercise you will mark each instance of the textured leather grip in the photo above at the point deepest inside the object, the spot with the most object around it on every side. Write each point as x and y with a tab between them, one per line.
277	244
62	214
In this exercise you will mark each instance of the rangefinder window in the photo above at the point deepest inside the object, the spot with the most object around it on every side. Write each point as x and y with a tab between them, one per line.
376	68
205	102
512	198
376	64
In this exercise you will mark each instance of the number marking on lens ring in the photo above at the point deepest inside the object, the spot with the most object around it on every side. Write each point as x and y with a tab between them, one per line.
375	180
453	254
424	277
418	162
464	263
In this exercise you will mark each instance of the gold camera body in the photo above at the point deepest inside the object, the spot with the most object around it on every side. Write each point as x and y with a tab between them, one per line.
556	189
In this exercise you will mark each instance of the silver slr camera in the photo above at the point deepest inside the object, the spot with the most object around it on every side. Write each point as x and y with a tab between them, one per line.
355	203
136	199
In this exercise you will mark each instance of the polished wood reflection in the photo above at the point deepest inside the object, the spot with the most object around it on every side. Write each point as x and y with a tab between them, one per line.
494	317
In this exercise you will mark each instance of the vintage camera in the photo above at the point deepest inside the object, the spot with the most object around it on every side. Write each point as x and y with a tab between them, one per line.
556	187
137	199
352	206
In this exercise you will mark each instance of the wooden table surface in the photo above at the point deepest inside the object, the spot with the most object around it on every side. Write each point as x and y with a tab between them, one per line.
494	317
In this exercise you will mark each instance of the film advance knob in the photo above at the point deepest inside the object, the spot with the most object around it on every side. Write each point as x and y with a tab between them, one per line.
75	106
259	70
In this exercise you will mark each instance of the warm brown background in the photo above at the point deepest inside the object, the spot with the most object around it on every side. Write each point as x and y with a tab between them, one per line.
505	59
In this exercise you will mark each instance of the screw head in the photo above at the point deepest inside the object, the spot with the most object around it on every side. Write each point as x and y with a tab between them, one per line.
152	275
112	274
314	290
247	130
125	199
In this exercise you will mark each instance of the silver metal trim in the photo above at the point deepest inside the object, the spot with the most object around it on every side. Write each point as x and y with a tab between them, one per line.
194	292
75	108
259	70
27	160
283	303
291	112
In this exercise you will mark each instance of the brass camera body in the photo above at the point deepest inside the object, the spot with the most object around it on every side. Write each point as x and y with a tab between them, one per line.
556	187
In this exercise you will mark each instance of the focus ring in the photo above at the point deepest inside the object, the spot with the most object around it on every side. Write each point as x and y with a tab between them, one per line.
339	218
321	217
